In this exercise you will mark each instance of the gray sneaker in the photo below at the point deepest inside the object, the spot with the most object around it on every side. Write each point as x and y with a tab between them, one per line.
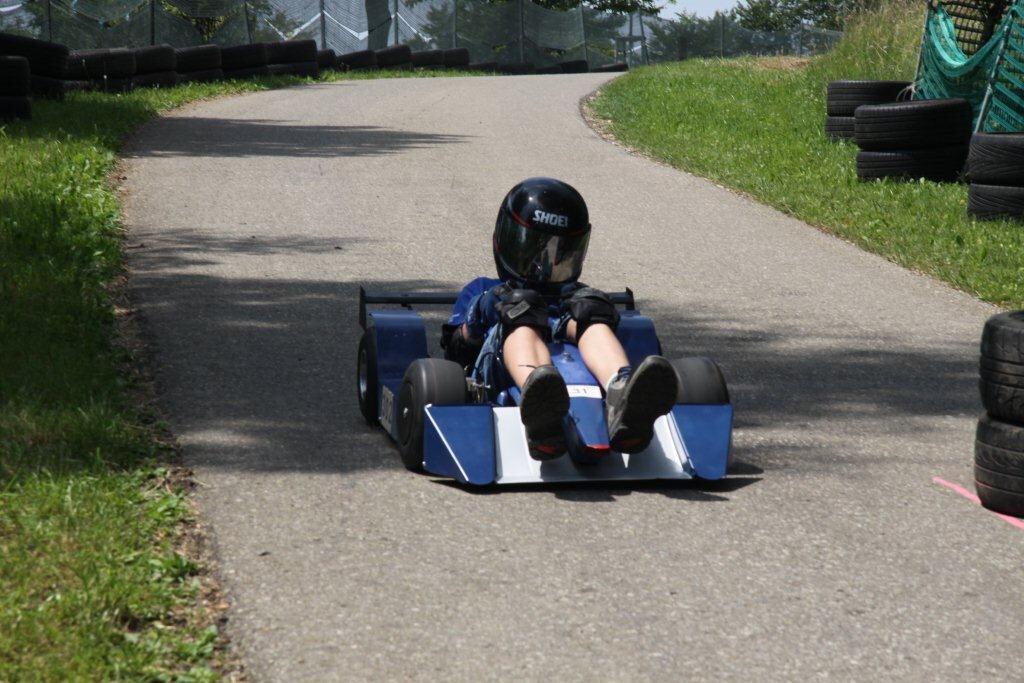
635	400
542	407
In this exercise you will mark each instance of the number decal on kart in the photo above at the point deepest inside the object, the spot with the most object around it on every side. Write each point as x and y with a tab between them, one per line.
584	391
387	408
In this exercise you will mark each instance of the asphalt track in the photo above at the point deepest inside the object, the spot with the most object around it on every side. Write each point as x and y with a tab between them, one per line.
829	552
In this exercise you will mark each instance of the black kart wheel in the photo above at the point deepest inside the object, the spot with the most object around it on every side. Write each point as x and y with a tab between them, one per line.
367	387
700	381
427	381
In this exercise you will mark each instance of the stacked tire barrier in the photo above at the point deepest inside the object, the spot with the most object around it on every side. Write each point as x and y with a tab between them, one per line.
244	61
925	139
364	59
326	60
155	67
995	166
293	58
15	86
397	57
105	70
199	64
47	63
999	441
843	97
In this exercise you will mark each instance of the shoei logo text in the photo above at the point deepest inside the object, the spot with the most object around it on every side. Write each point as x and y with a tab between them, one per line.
551	219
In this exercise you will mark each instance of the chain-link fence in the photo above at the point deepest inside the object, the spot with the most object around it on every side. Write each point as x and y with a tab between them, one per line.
509	31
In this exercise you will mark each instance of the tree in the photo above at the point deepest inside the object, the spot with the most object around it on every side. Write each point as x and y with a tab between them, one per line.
766	15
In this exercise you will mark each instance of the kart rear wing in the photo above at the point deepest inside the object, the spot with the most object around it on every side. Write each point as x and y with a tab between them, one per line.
407	299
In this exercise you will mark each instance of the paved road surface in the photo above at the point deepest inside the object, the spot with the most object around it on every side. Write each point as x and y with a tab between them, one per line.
829	553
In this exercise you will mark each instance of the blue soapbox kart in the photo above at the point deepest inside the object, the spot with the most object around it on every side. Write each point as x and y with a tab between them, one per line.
450	425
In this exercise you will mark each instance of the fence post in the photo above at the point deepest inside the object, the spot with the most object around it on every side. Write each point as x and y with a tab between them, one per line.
323	27
522	32
248	25
49	20
643	40
152	22
394	19
721	35
583	30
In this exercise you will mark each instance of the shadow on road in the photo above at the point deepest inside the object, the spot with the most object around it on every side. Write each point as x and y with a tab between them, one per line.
276	392
211	137
694	490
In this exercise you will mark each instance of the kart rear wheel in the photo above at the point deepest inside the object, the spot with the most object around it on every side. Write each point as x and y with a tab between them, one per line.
366	376
700	381
427	381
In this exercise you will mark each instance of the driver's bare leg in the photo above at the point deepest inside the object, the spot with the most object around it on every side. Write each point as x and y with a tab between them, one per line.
544	400
601	350
524	351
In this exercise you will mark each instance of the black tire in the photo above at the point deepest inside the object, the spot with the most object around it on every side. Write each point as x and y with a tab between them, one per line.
428	58
610	68
81	85
941	164
326	59
198	58
367	389
44	87
164	79
989	365
85	65
391	57
843	97
202	76
364	59
997	159
999	480
999	459
1001	435
1004	402
239	57
575	66
15	108
294	69
1002	338
119	63
1000	500
456	58
15	77
547	70
291	52
913	125
994	202
45	58
1010	379
115	85
516	69
839	127
248	72
426	381
700	381
483	66
155	59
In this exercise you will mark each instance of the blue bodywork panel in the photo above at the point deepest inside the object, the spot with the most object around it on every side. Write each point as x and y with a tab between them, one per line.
706	431
401	339
637	336
458	442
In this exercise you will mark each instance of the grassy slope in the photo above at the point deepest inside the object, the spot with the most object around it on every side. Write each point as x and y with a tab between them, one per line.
756	127
91	586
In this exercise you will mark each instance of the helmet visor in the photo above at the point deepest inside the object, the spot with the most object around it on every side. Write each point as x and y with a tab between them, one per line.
536	256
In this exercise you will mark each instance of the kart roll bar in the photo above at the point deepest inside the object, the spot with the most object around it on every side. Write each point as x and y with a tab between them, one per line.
407	299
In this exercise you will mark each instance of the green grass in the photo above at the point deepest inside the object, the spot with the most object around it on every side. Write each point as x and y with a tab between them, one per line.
756	126
91	586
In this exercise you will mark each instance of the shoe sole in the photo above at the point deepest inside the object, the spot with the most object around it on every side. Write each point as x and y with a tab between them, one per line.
650	394
545	402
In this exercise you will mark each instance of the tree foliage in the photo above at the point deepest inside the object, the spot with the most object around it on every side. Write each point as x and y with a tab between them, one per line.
779	15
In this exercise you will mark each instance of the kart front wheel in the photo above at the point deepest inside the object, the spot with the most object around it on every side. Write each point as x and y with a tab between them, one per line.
700	381
366	376
427	381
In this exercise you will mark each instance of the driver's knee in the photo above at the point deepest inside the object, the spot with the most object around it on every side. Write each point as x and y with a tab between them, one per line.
587	308
524	308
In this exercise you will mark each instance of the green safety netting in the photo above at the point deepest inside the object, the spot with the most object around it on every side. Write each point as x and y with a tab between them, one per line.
974	49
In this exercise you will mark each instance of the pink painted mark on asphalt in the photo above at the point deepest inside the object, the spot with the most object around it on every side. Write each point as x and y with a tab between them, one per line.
969	495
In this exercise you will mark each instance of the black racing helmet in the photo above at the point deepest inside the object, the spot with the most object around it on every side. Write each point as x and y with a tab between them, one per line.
542	232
